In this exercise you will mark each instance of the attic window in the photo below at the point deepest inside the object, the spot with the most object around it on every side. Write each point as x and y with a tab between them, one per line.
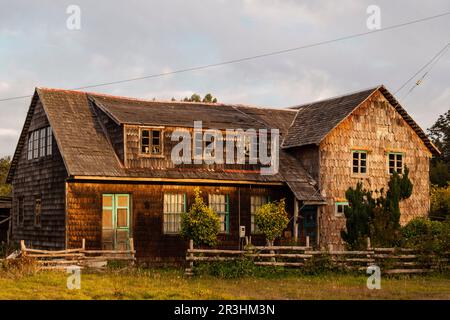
39	143
151	142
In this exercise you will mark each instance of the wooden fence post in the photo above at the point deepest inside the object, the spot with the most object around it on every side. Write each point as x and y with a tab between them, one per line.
368	243
83	244
307	241
23	248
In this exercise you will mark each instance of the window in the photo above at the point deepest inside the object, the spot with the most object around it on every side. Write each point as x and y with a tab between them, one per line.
39	143
37	211
255	203
340	208
19	210
49	141
220	204
395	162
35	144
151	142
174	206
359	165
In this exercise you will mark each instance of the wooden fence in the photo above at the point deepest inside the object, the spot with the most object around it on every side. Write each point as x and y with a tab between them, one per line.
390	260
61	259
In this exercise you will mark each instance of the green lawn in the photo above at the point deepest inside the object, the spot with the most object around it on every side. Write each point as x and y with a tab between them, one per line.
171	284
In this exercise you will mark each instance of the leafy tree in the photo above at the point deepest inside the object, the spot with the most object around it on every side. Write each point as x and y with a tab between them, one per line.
209	98
440	203
200	223
197	98
271	219
440	165
5	163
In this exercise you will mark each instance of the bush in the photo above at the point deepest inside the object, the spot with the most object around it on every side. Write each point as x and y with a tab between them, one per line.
200	223
17	268
272	219
426	235
440	202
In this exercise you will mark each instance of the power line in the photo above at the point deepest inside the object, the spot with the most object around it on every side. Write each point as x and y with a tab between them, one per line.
436	56
273	53
431	63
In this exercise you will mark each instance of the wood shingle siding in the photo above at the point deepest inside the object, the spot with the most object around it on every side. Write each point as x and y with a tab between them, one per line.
42	177
84	208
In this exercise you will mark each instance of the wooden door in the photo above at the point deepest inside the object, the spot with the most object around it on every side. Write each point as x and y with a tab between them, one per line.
115	221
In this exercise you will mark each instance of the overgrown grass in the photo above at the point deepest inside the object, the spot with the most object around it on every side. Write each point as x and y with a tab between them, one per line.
170	283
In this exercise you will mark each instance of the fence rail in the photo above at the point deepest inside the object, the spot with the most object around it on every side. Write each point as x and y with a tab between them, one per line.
61	259
390	260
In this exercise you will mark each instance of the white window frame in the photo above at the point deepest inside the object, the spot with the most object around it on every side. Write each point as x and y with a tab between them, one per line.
174	205
256	201
336	208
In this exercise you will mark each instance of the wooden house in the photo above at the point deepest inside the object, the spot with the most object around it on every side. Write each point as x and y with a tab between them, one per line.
99	167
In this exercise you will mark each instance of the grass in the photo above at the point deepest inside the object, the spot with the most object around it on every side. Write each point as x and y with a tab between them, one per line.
171	284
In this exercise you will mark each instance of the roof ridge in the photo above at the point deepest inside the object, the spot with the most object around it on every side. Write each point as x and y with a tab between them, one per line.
336	97
201	103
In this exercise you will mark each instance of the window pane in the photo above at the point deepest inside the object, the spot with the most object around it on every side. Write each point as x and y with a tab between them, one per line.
363	155
107	220
122	201
155	134
145	133
122	215
107	201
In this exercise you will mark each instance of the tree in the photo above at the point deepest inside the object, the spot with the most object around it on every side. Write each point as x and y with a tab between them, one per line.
197	98
271	219
5	163
357	215
209	98
440	165
200	223
377	218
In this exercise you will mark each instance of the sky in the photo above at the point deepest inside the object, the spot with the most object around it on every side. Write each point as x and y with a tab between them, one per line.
127	39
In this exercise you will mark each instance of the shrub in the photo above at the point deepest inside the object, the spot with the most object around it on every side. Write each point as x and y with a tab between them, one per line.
200	223
17	268
272	219
440	202
226	269
426	235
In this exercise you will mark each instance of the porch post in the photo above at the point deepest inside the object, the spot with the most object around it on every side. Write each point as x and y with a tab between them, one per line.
295	219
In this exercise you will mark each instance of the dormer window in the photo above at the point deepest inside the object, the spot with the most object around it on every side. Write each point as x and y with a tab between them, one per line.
151	142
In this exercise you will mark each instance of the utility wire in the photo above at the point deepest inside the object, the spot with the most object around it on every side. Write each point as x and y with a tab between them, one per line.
273	53
436	56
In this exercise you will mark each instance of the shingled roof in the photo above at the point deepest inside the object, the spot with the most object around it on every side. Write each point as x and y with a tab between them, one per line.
315	120
87	151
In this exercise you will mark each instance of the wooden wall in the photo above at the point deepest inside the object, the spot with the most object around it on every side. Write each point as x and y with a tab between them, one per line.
376	127
135	161
45	177
84	209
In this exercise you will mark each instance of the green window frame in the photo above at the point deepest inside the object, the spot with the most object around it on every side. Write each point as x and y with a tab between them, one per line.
359	162
256	201
173	206
340	207
220	203
395	162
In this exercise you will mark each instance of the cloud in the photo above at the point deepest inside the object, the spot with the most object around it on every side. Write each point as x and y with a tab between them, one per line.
120	40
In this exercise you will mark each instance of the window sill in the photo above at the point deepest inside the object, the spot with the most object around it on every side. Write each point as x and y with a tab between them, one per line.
157	156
